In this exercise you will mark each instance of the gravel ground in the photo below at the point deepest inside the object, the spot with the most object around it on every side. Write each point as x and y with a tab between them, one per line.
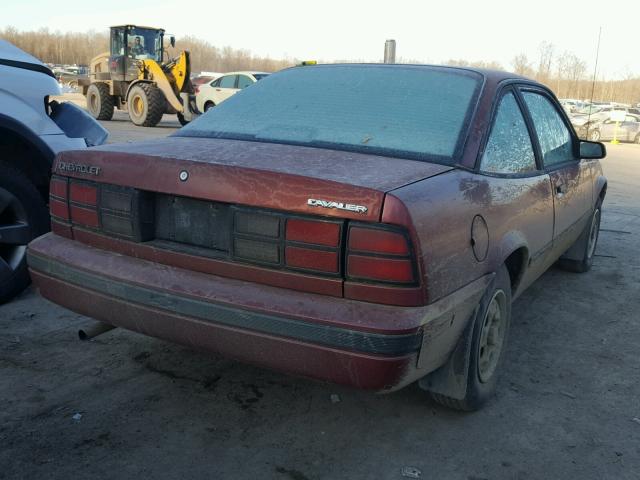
125	405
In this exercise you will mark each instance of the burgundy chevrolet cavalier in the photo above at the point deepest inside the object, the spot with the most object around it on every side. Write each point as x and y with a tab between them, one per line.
367	225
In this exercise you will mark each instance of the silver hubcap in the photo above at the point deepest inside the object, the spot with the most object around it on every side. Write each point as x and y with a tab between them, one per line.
593	233
492	336
14	233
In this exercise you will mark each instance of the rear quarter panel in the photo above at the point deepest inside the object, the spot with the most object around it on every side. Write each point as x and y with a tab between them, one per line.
518	213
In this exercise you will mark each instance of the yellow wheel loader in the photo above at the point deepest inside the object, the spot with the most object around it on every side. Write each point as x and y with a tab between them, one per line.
135	77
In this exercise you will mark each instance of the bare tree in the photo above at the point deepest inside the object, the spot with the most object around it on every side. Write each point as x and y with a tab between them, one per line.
566	74
490	65
545	63
79	48
522	66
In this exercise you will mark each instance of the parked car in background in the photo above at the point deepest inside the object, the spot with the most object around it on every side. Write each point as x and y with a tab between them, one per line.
585	118
213	93
627	130
202	79
66	77
324	224
571	105
33	129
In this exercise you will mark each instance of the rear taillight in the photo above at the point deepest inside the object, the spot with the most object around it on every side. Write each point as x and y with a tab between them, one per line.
119	211
380	254
313	245
59	198
374	262
83	204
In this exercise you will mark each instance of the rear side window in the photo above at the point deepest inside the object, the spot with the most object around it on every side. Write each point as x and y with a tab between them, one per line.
509	149
244	81
228	81
554	136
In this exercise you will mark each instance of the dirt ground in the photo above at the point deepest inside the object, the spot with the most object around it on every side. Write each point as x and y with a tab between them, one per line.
126	406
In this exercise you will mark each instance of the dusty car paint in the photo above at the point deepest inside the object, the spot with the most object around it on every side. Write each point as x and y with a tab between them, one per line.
178	294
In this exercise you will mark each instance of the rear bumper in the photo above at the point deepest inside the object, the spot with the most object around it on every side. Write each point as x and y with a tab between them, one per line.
353	343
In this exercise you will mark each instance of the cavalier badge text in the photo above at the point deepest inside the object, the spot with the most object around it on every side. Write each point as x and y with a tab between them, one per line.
312	202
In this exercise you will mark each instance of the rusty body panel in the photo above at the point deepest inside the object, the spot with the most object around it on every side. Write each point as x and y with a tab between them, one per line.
442	233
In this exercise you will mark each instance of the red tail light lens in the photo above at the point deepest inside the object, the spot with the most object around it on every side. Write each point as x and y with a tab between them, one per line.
382	241
311	259
58	196
84	216
83	193
384	269
59	208
380	255
74	202
312	232
83	203
58	187
313	245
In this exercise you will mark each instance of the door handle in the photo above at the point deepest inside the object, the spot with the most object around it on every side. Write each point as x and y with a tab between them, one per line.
561	189
218	90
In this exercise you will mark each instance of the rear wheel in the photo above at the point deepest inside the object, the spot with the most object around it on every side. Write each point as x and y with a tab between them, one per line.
146	105
594	135
23	216
99	102
589	240
486	336
208	105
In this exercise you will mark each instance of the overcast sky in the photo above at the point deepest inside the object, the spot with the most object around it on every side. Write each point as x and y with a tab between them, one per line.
329	30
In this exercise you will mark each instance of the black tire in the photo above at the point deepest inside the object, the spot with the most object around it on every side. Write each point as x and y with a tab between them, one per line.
23	217
146	104
99	102
182	120
208	106
589	238
594	135
488	341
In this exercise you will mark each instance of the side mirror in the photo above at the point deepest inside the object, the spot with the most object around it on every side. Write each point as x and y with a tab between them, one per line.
172	41
592	150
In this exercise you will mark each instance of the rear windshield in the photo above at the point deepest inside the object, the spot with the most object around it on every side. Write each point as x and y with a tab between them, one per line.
405	111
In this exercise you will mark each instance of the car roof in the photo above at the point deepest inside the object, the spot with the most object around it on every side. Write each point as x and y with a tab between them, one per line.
489	74
246	72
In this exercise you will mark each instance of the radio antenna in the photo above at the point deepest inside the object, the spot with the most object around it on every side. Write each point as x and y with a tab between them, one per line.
593	82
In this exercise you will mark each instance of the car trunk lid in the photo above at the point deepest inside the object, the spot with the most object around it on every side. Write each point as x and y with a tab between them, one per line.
274	176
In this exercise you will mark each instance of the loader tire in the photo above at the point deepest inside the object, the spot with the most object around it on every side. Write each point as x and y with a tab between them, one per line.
99	102
146	105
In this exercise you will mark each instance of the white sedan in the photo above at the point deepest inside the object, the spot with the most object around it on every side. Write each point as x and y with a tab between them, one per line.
211	94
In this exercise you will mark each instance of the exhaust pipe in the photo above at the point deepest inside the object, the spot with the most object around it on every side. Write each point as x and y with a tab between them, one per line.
93	331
